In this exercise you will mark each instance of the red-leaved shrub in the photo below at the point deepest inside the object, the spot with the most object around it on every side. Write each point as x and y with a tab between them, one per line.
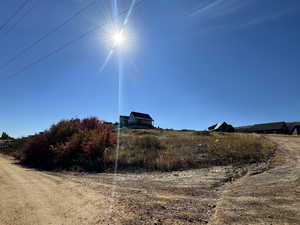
70	144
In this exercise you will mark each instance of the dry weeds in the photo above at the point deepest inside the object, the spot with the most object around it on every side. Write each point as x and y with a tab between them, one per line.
168	150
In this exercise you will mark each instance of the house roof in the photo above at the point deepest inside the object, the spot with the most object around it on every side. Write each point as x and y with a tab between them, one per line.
218	126
268	126
125	117
212	127
141	115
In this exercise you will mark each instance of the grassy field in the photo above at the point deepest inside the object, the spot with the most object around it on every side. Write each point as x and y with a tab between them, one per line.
168	150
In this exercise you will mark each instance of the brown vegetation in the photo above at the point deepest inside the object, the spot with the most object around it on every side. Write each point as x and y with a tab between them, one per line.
175	150
91	145
70	145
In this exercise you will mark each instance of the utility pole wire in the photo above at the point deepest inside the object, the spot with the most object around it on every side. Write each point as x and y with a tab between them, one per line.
26	49
65	45
7	31
14	14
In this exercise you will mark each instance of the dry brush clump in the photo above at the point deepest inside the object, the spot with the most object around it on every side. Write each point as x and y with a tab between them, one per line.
175	151
70	144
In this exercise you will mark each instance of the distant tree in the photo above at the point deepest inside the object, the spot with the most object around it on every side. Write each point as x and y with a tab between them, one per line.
5	136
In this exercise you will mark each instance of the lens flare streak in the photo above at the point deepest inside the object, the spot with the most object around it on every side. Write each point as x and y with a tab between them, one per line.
118	36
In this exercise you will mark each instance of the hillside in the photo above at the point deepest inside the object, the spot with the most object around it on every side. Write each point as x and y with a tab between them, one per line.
92	145
166	150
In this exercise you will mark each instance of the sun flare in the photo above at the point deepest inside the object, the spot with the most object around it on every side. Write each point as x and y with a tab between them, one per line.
118	38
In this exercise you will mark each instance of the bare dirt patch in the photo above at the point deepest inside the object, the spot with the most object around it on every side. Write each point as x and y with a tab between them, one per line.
183	197
265	193
29	197
272	197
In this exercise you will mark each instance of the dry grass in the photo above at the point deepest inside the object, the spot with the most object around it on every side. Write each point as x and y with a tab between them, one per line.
168	150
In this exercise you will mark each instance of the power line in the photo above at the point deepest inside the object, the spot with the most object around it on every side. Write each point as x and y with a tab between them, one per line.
26	49
65	45
14	14
7	31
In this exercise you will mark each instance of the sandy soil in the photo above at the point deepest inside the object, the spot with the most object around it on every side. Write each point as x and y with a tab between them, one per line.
29	197
257	194
272	197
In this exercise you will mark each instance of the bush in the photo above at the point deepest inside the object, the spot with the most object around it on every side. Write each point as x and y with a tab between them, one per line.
37	152
70	144
62	131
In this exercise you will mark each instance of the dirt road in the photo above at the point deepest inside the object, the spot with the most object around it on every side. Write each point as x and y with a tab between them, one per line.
272	197
32	197
218	195
29	197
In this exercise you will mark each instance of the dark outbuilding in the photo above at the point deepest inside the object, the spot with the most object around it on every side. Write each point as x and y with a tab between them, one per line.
270	128
266	128
221	127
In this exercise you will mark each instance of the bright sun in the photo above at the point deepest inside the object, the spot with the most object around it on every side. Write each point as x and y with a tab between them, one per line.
118	38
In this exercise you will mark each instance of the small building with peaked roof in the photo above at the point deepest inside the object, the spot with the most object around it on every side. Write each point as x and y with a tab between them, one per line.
221	127
137	120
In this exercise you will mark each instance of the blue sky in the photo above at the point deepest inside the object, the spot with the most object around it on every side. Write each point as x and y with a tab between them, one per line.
188	63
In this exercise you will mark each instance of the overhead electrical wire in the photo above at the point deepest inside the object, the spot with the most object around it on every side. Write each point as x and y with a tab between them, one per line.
19	9
8	30
33	44
65	45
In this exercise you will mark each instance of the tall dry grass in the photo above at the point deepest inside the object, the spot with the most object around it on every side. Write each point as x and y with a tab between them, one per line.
175	150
